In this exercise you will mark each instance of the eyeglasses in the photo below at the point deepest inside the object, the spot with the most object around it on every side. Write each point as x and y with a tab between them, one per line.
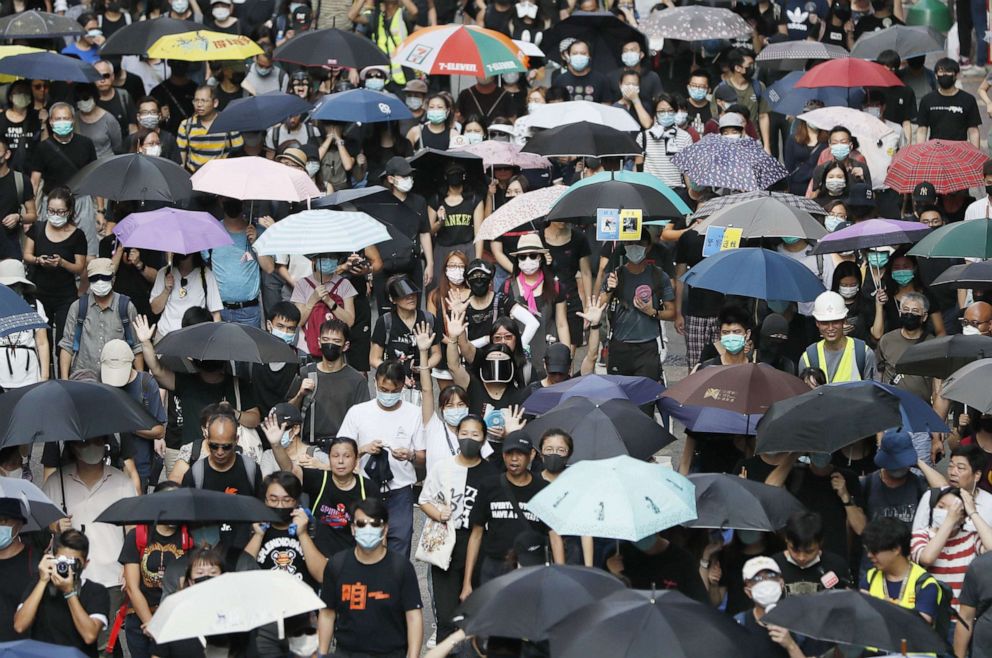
280	500
555	451
226	447
106	76
375	523
529	257
973	323
59	213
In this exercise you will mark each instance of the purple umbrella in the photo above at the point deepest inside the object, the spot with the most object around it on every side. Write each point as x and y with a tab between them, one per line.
871	233
709	419
598	388
171	229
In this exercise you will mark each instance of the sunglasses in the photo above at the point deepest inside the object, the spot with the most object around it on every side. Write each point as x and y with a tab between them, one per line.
529	257
375	523
106	76
100	277
226	447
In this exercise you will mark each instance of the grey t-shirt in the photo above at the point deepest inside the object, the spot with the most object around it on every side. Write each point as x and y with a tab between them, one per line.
336	393
977	588
630	325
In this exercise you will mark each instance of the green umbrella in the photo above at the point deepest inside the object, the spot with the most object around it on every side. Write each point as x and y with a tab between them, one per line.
636	178
932	13
968	239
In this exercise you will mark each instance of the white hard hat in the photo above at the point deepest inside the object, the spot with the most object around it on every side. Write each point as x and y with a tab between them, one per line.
829	306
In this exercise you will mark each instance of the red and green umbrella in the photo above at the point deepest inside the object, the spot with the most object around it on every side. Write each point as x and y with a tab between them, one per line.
460	50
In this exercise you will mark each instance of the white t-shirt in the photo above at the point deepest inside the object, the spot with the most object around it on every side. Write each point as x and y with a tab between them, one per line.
980	209
442	443
812	263
299	266
983	504
19	357
185	297
400	427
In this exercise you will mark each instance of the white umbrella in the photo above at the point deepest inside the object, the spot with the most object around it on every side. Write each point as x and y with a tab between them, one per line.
38	509
861	124
232	603
321	232
552	115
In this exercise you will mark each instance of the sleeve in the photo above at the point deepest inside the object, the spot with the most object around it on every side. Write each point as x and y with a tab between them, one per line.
301	292
214	303
410	594
129	552
116	139
182	132
361	393
247	392
328	590
581	245
667	290
154	399
96	602
854	488
763	101
923	114
346	290
479	516
349	425
918	542
970	594
418	439
69	329
974	118
926	598
78	243
188	478
379	332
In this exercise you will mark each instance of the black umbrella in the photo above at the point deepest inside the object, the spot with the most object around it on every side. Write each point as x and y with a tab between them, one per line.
62	410
35	24
392	213
331	47
226	341
583	139
373	193
259	112
580	204
728	501
605	33
941	357
134	177
188	505
858	619
430	166
967	275
526	602
603	429
138	37
827	418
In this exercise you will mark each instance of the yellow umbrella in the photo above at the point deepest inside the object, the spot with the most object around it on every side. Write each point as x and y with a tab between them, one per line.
7	51
203	46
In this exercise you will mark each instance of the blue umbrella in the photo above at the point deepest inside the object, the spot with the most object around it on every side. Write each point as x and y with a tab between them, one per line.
737	164
49	66
784	98
755	272
15	314
917	415
598	388
35	649
360	106
709	419
259	112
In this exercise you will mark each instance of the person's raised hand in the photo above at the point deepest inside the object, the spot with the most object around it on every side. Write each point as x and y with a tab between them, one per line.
424	337
456	324
273	429
143	330
593	312
513	418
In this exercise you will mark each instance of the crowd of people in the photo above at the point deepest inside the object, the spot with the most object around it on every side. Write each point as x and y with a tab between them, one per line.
414	364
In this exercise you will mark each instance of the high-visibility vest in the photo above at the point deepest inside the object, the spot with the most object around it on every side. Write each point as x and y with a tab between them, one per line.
389	41
851	361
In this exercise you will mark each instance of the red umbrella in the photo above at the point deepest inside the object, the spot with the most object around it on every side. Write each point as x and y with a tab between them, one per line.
748	388
849	72
949	165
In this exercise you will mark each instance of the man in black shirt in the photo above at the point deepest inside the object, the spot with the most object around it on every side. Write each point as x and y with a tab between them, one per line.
117	102
653	561
17	207
804	565
881	18
949	112
581	82
18	565
485	99
175	95
412	220
900	102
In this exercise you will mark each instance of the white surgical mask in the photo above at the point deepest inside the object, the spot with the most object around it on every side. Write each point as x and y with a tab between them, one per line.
20	101
848	292
221	13
455	274
375	84
101	288
180	6
57	221
312	168
766	593
86	106
404	183
414	102
474	138
91	454
939	516
530	265
833	222
835	184
534	107
630	58
154	150
526	10
969	330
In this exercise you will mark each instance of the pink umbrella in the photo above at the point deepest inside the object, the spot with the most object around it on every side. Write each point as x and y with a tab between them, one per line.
254	178
505	153
520	210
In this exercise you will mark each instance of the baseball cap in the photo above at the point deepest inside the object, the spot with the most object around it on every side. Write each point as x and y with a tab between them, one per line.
479	265
860	195
732	120
10	508
415	86
774	327
12	271
896	451
518	441
397	166
725	93
531	548
100	267
559	358
756	565
925	194
287	414
115	362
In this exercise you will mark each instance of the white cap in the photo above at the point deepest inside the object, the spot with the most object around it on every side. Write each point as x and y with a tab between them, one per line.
115	363
829	306
12	271
756	565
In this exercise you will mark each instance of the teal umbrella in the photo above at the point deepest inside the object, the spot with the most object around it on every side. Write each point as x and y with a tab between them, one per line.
637	178
616	498
968	239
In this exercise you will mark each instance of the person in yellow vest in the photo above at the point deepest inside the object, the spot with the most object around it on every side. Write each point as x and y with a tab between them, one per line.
840	357
893	576
388	23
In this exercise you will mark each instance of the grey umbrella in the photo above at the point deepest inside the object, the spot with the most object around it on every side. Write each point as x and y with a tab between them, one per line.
765	218
793	55
907	40
694	23
970	385
802	203
37	508
38	25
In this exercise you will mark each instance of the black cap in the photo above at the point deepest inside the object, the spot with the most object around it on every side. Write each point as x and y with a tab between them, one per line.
725	93
397	166
287	414
775	327
401	286
925	194
518	441
531	548
559	358
860	195
10	508
479	265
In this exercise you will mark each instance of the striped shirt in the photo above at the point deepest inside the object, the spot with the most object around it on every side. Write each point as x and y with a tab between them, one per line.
199	146
659	147
952	562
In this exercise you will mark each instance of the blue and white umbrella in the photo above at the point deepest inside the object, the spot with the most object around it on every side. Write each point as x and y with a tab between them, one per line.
15	313
321	232
737	164
755	272
360	106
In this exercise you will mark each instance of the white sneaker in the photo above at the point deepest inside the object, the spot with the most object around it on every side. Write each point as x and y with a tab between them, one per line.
972	70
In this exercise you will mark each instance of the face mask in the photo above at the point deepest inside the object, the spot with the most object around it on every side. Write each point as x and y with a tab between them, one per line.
969	330
209	535
94	34
665	119
874	111
554	463
155	150
330	351
455	274
62	127
6	536
263	71
221	13
939	516
454	179
201	579
101	288
312	168
498	368
285	514
529	265
437	116
288	337
878	259
511	78
848	292
534	107
835	185
748	536
579	62
375	84
946	80
473	138
388	400
681	118
833	222
646	543
453	415
766	593
840	151
897	473
148	121
820	459
790	240
368	537
732	136
327	266
479	286
630	90
910	321
58	221
697	94
469	448
630	58
749	72
988	190
526	10
91	454
404	184
734	343
20	101
902	277
86	106
414	102
180	6
635	253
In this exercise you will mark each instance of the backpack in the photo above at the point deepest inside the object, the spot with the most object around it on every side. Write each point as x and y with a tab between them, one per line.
860	356
311	131
942	618
311	328
123	304
199	471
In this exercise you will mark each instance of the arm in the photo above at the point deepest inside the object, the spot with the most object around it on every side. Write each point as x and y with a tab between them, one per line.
643	118
764	124
557	547
132	587
411	12
855	515
584	278
561	322
934	477
929	553
254	544
44	352
981	525
414	621
587	551
325	623
522	314
456	332
158	303
497	248
921	134
76	266
65	361
355	15
424	337
973	137
471	557
375	355
688	450
425	243
781	472
593	315
165	377
962	633
477	216
346	311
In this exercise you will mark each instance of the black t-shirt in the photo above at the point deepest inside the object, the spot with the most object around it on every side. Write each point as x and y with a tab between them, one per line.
816	493
480	320
400	343
565	261
53	623
121	107
900	104
270	387
871	23
977	589
371	602
232	481
193	394
59	162
498	103
493	509
476	478
331	508
179	100
899	502
458	226
281	551
590	87
673	568
56	282
129	280
809	580
480	402
755	468
10	202
696	302
160	551
16	574
949	117
22	137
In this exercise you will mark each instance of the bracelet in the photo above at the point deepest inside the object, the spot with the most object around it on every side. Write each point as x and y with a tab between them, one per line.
70	595
596	326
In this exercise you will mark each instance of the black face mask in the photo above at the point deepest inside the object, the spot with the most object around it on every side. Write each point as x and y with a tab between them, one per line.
469	448
988	190
910	321
285	514
879	5
208	366
946	80
330	351
479	285
842	12
749	72
201	579
454	179
554	463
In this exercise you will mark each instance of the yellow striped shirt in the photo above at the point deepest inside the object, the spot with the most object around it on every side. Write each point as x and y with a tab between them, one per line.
200	146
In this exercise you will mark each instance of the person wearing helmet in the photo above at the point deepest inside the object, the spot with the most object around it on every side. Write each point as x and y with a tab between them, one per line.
840	357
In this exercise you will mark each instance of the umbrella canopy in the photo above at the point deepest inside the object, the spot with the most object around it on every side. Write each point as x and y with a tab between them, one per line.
851	413
908	41
766	217
581	203
858	619
331	47
430	167
597	388
792	55
460	50
527	602
695	23
636	178
709	419
583	139
943	356
729	501
495	153
134	177
520	210
849	72
755	272
749	388
16	314
604	32
172	229
861	124
738	164
360	106
203	46
631	499
321	232
259	112
36	649
970	385
871	233
552	115
932	13
226	341
230	603
49	66
138	37
970	239
784	97
253	177
603	429
791	200
917	415
949	165
350	195
38	509
33	24
188	505
73	411
976	275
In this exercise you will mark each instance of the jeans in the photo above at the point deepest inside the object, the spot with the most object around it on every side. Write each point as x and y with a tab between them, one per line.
251	315
399	502
139	645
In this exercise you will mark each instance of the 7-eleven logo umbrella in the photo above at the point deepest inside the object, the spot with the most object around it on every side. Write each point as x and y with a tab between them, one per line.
460	50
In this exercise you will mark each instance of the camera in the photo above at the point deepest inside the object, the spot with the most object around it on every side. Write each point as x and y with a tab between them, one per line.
64	565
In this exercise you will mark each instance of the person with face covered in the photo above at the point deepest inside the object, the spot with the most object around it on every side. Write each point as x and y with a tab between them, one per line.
485	307
764	586
914	310
894	491
750	92
948	113
455	217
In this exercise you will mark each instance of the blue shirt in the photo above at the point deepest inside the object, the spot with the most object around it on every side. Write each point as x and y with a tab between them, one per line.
236	269
91	56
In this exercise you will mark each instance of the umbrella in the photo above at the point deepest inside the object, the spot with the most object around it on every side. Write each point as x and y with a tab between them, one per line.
725	201
36	649
360	106
331	47
755	272
226	341
749	388
188	505
174	230
917	415
871	233
259	112
38	509
136	38
942	357
133	177
495	153
636	178
738	164
852	413
16	314
785	98
348	196
253	177
861	124
460	50
970	385
858	619
34	24
908	41
695	23
49	66
616	498
765	218
932	13
970	239
231	603
552	115
321	232
203	46
583	139
597	388
790	55
63	410
604	32
526	602
949	165
976	275
728	501
430	165
709	419
849	72
581	203
520	210
603	429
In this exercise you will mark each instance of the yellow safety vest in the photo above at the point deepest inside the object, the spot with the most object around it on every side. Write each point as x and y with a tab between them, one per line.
389	41
847	369
907	599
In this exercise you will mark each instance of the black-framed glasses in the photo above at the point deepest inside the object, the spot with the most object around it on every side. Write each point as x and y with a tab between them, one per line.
534	256
226	447
972	323
362	523
106	76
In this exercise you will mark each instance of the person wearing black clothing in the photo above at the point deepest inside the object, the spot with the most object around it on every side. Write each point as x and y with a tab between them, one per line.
655	562
20	125
634	58
393	338
570	262
18	565
835	493
485	99
948	113
900	102
764	587
175	95
881	18
17	207
273	383
696	310
455	215
497	16
772	340
58	159
580	81
805	566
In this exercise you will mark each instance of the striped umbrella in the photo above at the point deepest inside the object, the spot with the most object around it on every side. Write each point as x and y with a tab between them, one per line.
519	211
460	50
321	232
